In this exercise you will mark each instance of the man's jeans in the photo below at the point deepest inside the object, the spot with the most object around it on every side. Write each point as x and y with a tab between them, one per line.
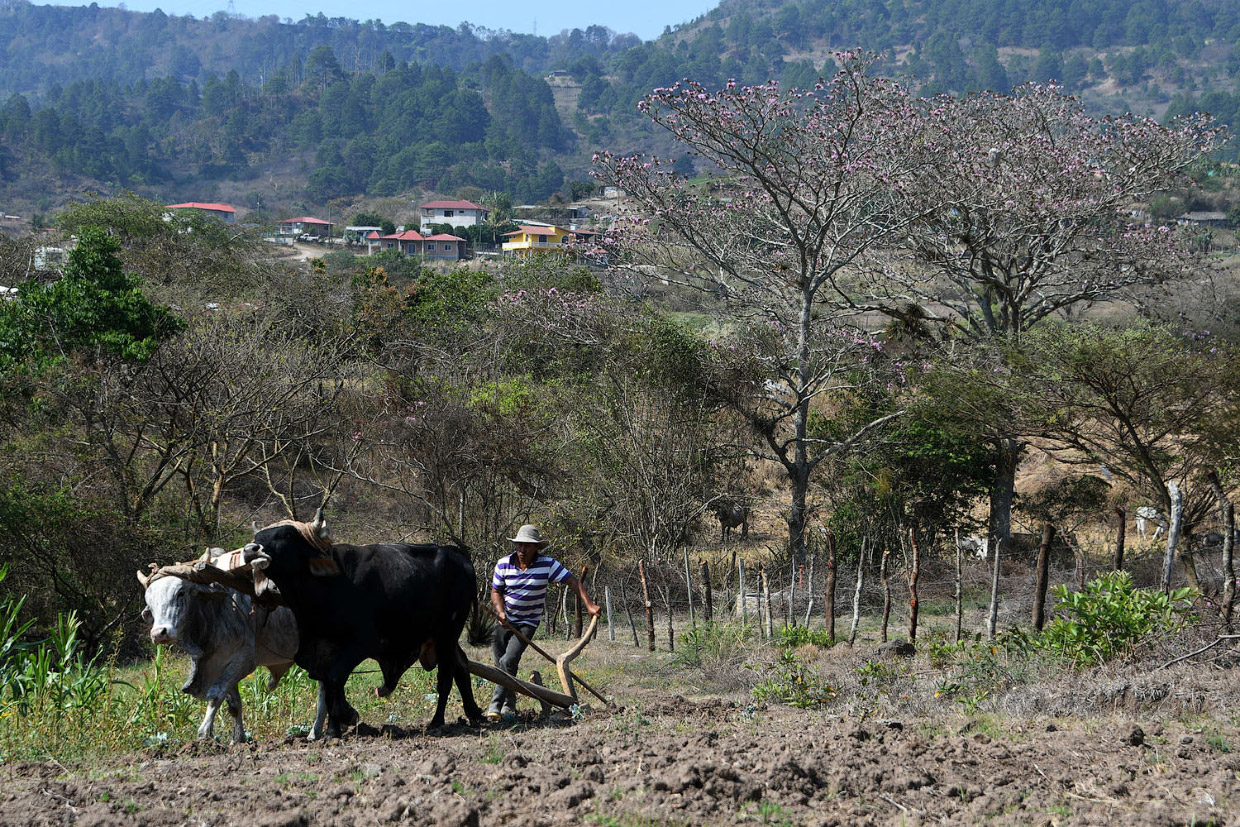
507	650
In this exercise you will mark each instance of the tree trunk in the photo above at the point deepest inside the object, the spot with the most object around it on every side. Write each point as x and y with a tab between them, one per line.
1041	575
856	614
883	572
1003	490
708	602
828	592
641	572
1120	531
913	574
1175	516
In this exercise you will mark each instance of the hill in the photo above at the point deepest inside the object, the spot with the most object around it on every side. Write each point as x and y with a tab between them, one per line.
280	116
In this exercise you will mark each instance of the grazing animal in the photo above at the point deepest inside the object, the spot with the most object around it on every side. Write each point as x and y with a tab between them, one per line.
731	515
226	635
1147	513
976	546
394	602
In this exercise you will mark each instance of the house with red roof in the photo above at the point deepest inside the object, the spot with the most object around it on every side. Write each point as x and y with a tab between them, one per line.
456	213
305	225
438	247
223	212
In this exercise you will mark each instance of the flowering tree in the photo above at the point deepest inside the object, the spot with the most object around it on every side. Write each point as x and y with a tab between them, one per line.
806	183
1028	214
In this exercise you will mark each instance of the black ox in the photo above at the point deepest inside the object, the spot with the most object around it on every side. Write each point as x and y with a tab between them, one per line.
394	602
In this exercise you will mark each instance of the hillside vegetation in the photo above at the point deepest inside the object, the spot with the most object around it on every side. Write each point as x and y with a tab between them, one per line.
275	113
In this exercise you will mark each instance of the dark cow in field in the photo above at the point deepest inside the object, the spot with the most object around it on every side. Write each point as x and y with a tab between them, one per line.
226	635
394	602
731	515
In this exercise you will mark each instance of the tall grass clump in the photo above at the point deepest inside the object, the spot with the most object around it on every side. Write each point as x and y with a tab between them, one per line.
54	698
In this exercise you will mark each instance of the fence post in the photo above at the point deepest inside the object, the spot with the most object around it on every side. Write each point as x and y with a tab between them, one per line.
611	629
744	601
708	609
689	590
641	572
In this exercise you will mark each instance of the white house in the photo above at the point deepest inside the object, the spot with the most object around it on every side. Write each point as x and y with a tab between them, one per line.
456	213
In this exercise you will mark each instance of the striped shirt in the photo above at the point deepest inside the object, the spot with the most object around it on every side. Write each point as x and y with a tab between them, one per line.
525	592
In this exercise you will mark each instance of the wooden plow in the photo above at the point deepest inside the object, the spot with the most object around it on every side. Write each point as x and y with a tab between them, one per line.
562	662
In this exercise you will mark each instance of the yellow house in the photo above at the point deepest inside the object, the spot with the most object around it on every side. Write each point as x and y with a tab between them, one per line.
535	239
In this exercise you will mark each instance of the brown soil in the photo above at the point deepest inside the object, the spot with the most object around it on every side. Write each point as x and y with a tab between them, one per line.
665	761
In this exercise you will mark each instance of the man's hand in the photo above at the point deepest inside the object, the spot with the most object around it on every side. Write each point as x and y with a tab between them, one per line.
593	608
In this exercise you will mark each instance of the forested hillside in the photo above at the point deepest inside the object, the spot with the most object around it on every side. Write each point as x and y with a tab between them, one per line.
306	111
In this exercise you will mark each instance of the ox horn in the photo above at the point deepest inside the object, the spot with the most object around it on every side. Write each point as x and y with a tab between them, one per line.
319	526
254	523
145	579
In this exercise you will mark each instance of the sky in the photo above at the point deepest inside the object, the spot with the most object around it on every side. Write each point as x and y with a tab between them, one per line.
644	18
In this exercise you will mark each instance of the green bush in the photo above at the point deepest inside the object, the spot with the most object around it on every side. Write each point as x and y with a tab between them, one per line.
794	683
1110	617
792	637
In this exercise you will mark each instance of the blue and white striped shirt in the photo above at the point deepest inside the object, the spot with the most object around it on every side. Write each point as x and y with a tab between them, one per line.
525	592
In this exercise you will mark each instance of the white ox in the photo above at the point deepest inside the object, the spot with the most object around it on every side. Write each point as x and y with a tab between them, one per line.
1148	513
227	635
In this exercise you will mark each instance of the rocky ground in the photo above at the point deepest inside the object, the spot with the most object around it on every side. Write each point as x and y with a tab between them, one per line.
666	761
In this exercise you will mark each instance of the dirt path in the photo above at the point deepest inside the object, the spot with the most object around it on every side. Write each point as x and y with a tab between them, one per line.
664	762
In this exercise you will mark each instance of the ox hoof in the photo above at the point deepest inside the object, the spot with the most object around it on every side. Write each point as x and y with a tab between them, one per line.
382	691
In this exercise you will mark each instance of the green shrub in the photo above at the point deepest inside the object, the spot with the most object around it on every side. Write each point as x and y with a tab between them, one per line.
792	637
1109	617
794	683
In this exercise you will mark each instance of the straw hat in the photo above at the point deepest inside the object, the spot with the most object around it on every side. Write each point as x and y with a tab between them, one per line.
529	534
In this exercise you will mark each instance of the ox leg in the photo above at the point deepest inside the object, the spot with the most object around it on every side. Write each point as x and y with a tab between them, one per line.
464	685
233	698
320	714
443	684
207	728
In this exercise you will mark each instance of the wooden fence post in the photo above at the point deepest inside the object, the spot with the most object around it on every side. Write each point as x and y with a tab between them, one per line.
744	599
828	595
689	590
629	611
1120	532
641	572
884	573
611	629
809	589
766	593
958	592
708	608
1040	576
856	614
914	573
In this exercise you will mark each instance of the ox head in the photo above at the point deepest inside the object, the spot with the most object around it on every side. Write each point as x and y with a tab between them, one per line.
170	602
289	548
